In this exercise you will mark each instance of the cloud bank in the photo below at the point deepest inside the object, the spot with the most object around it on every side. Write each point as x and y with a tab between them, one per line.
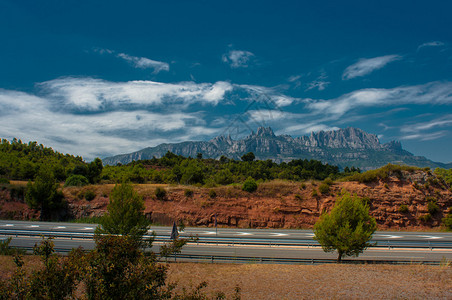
94	117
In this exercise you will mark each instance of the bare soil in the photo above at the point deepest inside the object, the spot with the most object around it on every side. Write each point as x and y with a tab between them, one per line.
332	281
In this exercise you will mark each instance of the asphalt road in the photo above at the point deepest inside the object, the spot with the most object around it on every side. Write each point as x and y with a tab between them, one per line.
276	243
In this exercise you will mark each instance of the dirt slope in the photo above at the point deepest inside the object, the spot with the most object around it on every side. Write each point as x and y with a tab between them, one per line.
277	204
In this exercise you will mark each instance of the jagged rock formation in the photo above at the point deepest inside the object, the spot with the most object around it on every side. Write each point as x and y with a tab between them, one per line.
343	147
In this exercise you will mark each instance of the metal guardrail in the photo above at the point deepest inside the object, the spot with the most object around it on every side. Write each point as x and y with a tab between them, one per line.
235	241
271	260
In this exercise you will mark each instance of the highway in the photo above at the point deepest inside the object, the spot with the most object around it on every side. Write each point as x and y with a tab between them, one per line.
251	243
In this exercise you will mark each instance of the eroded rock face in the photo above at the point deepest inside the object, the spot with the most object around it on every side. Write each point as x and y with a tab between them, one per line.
273	205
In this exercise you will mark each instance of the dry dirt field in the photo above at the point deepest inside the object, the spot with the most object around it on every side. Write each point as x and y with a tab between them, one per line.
320	281
261	281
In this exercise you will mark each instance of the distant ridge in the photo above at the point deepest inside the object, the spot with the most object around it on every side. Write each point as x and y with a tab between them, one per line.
344	147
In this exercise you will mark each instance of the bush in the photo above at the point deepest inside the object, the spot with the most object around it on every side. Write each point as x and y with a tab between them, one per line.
425	218
314	193
76	180
4	180
324	189
298	197
212	194
432	207
328	181
447	220
403	208
249	185
90	195
188	193
160	193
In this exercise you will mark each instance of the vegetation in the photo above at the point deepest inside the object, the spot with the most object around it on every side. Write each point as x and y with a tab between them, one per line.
115	269
432	206
347	229
249	185
447	220
160	193
324	188
403	208
173	168
381	173
76	180
44	193
124	214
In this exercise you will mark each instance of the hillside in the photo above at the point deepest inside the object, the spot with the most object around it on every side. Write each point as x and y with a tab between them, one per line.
343	147
275	204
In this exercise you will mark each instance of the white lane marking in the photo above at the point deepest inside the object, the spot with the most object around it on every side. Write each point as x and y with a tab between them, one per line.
7	225
209	232
33	226
430	237
388	236
278	234
88	228
244	233
60	227
309	234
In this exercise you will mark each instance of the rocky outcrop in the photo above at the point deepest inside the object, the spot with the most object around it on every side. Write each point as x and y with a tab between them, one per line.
343	147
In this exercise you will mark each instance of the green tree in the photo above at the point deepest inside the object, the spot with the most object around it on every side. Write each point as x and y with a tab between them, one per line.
347	229
125	214
44	193
249	185
248	156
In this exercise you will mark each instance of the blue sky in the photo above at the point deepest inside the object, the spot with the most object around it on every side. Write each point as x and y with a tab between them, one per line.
98	78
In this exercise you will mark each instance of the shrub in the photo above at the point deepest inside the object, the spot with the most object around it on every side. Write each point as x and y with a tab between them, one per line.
4	180
447	220
212	194
90	195
425	218
249	185
324	189
76	180
314	193
432	207
366	200
403	208
188	193
298	197
328	181
160	193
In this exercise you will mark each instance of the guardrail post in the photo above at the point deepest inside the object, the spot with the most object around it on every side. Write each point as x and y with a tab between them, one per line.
211	259
429	245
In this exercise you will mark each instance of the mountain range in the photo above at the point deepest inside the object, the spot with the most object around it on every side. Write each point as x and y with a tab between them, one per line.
343	147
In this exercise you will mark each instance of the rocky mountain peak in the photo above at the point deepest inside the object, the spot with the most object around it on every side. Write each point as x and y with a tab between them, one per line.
262	132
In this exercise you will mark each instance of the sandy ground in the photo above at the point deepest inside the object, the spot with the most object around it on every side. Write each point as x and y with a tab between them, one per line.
320	281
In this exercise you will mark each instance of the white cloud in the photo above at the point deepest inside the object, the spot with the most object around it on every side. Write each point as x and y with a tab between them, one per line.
137	62
430	93
96	94
145	63
439	122
430	44
367	65
237	58
424	136
30	117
